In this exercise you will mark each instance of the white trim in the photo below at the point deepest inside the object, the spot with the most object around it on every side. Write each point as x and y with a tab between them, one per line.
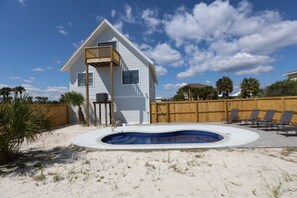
105	23
290	73
132	83
92	72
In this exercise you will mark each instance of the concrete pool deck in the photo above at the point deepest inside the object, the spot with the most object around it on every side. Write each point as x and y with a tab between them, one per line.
270	139
237	136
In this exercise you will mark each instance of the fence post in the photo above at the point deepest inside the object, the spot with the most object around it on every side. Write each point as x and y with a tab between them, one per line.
226	109
197	114
167	112
156	110
283	104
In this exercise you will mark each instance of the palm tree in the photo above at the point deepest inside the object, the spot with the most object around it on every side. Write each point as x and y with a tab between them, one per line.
249	86
20	90
224	86
20	121
76	99
5	92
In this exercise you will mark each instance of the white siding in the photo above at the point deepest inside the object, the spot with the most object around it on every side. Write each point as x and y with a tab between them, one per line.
131	101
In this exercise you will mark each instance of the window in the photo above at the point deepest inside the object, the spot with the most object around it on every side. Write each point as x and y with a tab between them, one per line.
82	79
130	77
112	43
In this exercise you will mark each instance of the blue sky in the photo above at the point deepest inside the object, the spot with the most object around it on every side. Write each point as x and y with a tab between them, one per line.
189	41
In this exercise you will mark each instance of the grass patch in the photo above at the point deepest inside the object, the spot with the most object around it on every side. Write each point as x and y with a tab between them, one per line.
288	151
40	177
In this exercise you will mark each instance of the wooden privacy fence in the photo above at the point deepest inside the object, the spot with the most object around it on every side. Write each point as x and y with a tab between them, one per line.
59	114
215	110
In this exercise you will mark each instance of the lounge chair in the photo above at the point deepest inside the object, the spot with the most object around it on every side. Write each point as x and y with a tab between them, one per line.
283	121
233	117
268	118
289	128
252	119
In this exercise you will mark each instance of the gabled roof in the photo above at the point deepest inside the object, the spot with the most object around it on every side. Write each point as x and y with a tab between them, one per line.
290	73
105	23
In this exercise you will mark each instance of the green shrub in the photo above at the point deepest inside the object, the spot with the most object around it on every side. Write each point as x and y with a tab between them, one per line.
20	121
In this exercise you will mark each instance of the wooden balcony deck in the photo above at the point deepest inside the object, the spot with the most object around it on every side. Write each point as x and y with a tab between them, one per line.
102	56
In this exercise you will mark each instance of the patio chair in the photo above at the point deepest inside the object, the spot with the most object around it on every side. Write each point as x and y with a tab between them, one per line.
253	117
268	118
283	122
233	117
289	128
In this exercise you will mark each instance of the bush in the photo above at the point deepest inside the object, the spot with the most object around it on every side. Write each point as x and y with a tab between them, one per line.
20	121
282	88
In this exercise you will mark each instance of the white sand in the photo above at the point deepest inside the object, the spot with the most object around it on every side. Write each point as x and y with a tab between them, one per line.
70	172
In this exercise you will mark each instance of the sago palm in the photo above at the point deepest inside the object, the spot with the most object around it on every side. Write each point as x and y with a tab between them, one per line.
20	120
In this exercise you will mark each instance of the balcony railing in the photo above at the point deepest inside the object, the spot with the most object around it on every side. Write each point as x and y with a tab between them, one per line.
102	56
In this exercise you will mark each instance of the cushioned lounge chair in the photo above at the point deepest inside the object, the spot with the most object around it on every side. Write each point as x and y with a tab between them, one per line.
268	118
254	117
284	120
233	117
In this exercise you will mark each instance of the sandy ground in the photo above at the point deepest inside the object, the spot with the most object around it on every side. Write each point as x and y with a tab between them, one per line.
51	167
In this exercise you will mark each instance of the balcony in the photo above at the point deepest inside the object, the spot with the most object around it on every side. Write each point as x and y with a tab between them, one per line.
102	56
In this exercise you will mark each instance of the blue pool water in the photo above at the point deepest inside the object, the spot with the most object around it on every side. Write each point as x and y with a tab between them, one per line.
178	137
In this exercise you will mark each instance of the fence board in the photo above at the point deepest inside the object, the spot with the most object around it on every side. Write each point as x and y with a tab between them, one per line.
59	114
215	110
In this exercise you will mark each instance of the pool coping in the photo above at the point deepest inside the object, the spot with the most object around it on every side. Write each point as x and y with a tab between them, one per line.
233	136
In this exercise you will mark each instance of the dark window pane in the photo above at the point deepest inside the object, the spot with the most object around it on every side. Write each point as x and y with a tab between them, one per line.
131	77
82	79
113	44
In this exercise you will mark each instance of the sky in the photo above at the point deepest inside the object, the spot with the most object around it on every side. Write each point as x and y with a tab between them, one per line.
189	41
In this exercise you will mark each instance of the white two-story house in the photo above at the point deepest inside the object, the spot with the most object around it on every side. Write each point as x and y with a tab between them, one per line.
133	74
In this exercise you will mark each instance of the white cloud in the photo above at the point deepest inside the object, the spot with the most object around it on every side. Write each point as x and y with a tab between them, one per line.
239	63
59	89
37	69
208	82
3	85
150	19
128	17
22	2
161	71
62	30
165	55
173	86
113	13
69	24
52	92
76	45
224	38
119	25
255	71
28	81
14	78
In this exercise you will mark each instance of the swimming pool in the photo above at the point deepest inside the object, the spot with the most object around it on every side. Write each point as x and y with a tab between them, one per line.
232	136
176	137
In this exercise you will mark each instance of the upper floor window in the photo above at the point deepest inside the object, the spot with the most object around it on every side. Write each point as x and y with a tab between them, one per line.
82	79
130	77
111	43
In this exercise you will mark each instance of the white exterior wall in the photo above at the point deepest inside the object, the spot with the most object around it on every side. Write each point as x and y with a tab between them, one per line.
131	101
292	76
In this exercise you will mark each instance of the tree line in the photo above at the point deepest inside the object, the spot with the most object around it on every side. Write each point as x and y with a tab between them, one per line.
8	94
250	87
